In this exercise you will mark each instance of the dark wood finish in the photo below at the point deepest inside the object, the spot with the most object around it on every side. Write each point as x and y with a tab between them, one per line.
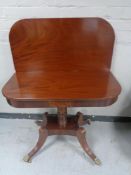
62	113
62	63
51	89
43	133
61	44
52	128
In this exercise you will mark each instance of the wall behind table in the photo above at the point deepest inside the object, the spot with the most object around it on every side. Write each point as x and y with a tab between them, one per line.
117	12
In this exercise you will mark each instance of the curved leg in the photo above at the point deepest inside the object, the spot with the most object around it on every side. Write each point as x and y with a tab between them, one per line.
43	133
82	139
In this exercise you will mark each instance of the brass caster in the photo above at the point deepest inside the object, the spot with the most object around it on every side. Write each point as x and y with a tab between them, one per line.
97	161
27	159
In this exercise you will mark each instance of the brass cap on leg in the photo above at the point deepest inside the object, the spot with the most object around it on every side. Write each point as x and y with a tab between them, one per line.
97	161
26	158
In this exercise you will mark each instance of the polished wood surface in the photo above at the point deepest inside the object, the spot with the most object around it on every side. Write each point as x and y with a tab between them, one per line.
61	44
92	87
62	62
74	128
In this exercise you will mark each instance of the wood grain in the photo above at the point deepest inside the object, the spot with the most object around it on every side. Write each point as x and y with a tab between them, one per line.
62	62
61	44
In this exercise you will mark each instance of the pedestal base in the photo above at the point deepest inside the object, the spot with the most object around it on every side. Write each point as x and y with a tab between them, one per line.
63	125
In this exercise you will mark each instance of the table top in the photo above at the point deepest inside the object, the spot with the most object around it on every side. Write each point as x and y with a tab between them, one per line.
77	85
62	62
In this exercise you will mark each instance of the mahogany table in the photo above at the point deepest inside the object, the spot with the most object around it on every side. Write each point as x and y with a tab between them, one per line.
62	62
